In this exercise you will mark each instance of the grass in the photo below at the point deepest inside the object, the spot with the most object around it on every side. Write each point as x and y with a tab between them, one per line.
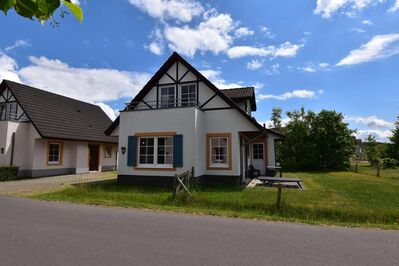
367	169
331	198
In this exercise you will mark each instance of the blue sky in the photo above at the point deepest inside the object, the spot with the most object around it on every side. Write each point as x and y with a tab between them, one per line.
341	55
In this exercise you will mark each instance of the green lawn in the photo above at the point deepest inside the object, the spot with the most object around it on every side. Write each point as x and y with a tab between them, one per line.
367	169
333	198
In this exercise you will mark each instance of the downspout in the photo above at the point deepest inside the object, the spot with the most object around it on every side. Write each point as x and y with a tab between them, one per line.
12	148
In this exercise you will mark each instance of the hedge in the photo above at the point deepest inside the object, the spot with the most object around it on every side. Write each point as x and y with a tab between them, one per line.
8	172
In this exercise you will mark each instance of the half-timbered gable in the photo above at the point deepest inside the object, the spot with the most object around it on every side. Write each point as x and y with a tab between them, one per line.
10	109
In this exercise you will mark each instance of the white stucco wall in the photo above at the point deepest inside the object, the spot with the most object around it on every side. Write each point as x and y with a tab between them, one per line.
25	134
180	120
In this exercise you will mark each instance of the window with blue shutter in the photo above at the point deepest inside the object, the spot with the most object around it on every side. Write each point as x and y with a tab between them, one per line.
178	151
132	151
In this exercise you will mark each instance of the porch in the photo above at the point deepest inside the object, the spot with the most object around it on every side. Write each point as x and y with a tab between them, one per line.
257	154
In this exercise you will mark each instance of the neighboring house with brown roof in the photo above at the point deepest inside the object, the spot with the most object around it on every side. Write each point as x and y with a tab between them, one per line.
48	134
180	121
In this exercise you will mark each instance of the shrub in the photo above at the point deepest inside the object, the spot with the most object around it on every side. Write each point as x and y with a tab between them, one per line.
389	163
8	172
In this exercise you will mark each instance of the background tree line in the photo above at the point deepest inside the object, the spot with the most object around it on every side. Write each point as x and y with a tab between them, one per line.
323	141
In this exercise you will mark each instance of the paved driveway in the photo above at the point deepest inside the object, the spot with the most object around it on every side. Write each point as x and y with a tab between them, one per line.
50	183
48	233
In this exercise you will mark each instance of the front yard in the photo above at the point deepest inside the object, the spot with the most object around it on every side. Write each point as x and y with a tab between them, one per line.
333	198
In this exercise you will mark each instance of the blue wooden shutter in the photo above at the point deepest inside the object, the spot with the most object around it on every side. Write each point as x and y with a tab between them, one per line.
132	151
178	151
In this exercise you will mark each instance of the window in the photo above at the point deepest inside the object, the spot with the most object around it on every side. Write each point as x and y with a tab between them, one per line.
12	111
3	111
188	95
107	151
8	111
167	97
156	152
219	151
54	151
257	151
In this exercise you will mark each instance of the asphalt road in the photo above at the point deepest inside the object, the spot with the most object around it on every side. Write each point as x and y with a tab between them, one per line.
45	233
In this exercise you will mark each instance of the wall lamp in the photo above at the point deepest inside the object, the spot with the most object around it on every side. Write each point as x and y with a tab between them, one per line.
123	149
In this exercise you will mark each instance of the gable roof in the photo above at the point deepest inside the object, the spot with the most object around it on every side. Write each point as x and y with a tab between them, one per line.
59	117
242	94
175	57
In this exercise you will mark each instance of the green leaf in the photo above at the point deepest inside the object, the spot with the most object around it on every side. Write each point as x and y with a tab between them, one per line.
75	9
26	8
46	8
5	5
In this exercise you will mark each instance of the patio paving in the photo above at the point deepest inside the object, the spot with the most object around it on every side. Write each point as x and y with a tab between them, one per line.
44	184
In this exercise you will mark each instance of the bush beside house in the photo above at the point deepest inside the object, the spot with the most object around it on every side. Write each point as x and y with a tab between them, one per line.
8	172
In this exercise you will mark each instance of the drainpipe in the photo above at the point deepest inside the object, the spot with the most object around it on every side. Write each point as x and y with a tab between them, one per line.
12	148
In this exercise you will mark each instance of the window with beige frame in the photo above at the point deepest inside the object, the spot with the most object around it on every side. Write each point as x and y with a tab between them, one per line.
54	153
218	150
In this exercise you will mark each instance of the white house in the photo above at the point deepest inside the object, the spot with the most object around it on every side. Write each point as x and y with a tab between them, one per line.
47	134
180	121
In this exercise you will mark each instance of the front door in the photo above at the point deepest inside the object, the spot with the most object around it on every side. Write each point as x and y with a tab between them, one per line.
258	157
94	152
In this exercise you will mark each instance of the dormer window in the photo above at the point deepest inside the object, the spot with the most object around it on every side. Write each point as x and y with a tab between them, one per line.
168	97
8	111
188	94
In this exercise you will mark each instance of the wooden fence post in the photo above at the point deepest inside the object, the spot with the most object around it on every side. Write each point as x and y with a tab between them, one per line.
174	186
278	201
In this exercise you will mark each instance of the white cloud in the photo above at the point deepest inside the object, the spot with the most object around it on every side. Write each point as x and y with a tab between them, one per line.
8	68
358	30
243	31
395	7
370	121
93	85
215	77
157	45
267	32
273	70
211	74
112	114
270	124
180	10
367	22
379	47
18	43
87	84
254	64
327	8
213	34
288	95
324	65
284	50
155	48
310	69
380	135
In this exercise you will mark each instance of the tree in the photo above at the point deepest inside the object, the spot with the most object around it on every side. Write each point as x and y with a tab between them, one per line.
372	151
394	147
297	150
333	140
316	141
276	118
40	9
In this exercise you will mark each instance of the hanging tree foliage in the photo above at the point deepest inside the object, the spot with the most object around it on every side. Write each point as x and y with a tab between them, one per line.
40	9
